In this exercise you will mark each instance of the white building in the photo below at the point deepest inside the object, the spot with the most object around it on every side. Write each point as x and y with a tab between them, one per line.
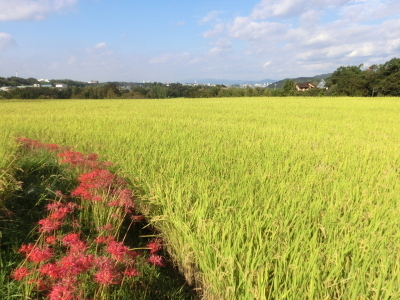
61	85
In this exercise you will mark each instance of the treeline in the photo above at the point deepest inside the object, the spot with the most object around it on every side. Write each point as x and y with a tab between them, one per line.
145	91
377	80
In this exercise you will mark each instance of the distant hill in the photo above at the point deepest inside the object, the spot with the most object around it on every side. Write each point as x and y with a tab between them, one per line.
314	80
226	81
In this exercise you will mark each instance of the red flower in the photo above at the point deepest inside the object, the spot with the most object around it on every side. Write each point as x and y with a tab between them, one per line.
97	179
154	245
25	249
48	225
70	239
106	276
51	240
104	239
41	286
61	291
38	255
131	272
52	147
137	218
106	227
82	191
76	263
117	250
51	270
156	260
20	273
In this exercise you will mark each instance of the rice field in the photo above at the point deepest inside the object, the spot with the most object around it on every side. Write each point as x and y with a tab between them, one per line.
257	198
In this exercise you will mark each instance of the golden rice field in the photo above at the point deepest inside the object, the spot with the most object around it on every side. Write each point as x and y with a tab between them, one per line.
257	198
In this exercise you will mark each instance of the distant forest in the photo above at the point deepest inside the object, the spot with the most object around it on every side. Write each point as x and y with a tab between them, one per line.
376	80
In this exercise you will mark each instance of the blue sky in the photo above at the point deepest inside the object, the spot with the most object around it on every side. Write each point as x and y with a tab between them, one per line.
172	41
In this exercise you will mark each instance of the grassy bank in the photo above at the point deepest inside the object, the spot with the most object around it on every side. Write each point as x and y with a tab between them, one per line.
256	198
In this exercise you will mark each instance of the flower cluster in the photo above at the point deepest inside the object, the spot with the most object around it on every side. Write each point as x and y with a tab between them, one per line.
79	159
35	144
65	257
154	246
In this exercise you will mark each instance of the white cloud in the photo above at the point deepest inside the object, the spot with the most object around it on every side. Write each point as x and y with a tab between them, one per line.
98	50
6	41
247	29
100	46
71	60
212	15
310	35
217	30
11	10
179	24
289	8
222	46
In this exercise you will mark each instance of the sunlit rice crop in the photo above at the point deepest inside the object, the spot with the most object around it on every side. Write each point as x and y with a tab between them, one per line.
257	198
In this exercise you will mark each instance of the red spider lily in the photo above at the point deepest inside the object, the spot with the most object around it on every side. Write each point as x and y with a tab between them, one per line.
52	270
104	239
60	194
154	245
38	255
71	238
131	272
79	159
156	260
20	273
72	157
78	247
118	251
82	192
51	240
76	263
41	285
63	273
138	218
54	205
48	225
25	249
60	210
97	179
28	143
64	290
107	276
106	227
52	147
35	144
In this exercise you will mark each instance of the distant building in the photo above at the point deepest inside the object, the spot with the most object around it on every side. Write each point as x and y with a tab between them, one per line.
322	84
46	85
61	86
24	86
304	86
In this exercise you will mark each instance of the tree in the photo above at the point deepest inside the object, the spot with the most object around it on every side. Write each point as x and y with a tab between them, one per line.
388	75
349	81
289	87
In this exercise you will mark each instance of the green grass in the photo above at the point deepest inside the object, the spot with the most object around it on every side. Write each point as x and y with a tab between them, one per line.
266	198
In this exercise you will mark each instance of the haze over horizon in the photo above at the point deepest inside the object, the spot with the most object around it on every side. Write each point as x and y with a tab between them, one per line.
173	40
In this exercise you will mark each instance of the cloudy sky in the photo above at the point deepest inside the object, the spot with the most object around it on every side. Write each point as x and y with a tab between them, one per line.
130	40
